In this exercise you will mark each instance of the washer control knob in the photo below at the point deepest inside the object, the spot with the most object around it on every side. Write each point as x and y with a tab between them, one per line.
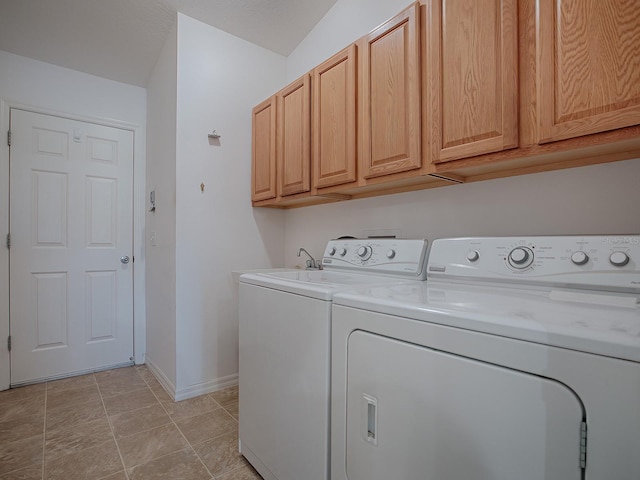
520	257
391	253
579	258
473	256
364	252
619	259
342	252
332	251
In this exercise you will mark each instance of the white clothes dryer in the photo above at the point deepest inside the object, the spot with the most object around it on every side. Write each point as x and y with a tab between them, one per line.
284	341
519	358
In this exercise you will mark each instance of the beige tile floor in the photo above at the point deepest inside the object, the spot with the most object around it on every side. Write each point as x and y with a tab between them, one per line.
118	425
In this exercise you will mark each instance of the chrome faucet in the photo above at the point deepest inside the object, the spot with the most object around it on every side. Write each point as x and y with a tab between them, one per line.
312	262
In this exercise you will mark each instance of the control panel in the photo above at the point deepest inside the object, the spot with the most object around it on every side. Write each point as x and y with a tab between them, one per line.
387	256
593	262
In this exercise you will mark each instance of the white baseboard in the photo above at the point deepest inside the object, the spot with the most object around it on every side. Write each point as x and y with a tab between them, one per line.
192	390
71	374
206	387
167	384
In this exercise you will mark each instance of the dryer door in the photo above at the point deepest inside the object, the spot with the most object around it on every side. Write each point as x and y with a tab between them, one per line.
414	413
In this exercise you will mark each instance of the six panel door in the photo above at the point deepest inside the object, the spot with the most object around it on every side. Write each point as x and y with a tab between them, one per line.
71	221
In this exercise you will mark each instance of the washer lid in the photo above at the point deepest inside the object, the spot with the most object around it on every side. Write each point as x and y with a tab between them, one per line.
320	284
600	323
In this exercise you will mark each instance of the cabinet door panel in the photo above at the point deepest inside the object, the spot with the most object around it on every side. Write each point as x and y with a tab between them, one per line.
588	67
264	151
472	77
390	85
294	143
334	120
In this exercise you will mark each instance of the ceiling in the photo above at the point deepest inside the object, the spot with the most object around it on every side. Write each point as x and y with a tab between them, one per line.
121	39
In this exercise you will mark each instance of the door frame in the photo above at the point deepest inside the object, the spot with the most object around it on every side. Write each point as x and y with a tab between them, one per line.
139	218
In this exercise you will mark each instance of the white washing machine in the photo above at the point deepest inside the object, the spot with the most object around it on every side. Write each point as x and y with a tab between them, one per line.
518	359
285	336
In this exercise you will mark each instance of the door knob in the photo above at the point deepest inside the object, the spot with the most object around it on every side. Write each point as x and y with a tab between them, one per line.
124	259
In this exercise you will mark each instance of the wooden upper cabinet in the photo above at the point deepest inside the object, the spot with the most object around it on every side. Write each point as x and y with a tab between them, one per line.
294	137
334	120
433	97
471	77
588	67
390	96
263	152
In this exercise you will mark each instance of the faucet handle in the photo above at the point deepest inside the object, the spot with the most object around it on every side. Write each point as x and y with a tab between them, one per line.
312	263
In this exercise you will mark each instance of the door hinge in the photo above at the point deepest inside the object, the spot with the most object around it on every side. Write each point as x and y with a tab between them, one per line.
8	240
9	137
583	445
9	343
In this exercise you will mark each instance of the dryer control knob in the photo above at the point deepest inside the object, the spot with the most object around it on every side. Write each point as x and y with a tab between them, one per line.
332	251
364	252
343	252
579	258
520	257
473	256
391	253
619	259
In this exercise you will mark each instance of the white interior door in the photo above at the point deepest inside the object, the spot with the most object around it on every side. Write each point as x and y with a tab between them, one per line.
71	221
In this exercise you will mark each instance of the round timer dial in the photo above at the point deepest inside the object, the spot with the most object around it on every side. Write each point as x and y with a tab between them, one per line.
579	258
520	257
619	259
473	256
364	252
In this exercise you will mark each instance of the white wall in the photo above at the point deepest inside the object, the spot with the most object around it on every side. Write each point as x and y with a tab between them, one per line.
53	89
600	199
589	200
40	84
161	177
344	23
220	78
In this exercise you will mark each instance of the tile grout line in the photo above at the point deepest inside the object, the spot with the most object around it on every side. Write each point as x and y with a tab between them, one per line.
212	438
237	469
126	474
172	421
142	408
21	467
220	406
44	428
183	436
141	431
